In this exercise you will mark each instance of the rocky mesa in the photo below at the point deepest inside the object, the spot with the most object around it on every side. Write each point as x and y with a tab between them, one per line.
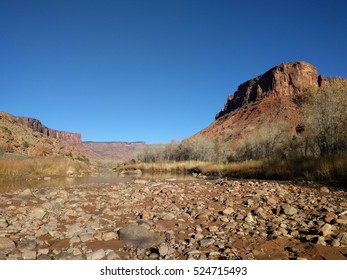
36	125
270	97
30	136
17	138
115	150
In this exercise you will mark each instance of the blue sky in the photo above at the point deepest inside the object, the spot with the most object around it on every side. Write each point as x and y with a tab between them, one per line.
153	70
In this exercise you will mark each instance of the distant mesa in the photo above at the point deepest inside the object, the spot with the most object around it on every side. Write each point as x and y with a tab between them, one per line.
21	136
115	150
92	150
36	125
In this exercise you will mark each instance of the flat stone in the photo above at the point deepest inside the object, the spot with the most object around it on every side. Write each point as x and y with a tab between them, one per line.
107	236
228	211
289	210
97	255
229	203
330	217
85	237
3	223
26	245
168	217
249	218
326	230
343	238
139	236
43	251
74	240
164	250
271	201
29	255
198	236
76	252
37	213
324	190
146	215
342	221
6	245
194	252
213	228
206	242
73	230
321	241
26	193
140	181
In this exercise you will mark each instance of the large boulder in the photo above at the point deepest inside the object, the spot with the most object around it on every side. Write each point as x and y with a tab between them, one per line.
139	236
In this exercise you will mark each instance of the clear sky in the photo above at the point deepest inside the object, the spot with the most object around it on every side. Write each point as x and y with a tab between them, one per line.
153	70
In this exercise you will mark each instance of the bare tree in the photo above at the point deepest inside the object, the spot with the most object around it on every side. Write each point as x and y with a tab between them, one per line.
325	116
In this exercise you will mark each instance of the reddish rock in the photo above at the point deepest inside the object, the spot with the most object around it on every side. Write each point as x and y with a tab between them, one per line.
115	150
273	97
36	125
286	79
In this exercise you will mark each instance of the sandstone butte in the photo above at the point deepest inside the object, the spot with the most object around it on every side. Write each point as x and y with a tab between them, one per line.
44	141
36	125
272	97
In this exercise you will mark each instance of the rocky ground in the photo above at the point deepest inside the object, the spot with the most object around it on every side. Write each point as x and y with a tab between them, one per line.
197	219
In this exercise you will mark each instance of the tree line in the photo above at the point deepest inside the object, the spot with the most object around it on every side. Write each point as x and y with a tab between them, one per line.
323	133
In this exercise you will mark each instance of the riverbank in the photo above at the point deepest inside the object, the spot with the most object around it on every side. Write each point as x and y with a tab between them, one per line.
328	169
200	219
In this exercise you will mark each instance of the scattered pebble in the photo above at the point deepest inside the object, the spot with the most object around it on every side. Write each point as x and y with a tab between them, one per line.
173	219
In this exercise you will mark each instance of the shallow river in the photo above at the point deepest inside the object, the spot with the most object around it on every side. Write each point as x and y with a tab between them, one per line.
20	183
7	185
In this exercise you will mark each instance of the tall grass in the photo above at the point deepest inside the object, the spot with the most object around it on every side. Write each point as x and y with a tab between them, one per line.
10	168
317	169
189	167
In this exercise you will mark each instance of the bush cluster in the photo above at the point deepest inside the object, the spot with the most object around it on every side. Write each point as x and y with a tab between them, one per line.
197	148
324	129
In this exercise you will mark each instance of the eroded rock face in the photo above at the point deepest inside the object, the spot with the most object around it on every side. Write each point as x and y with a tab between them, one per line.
115	150
274	97
286	79
36	125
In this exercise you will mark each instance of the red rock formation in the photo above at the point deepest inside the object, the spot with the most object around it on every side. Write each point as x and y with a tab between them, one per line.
286	79
36	125
273	97
115	150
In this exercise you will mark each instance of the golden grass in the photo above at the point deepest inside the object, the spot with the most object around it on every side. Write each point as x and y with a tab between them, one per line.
186	167
39	167
321	169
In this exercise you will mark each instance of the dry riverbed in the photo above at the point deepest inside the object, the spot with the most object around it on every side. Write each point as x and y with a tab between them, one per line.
197	219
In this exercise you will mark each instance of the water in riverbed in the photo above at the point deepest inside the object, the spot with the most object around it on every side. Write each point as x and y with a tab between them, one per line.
7	185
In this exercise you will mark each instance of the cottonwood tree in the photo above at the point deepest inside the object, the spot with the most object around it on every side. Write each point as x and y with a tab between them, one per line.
325	117
266	142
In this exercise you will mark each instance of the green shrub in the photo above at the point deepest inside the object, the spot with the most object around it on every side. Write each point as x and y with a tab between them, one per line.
25	145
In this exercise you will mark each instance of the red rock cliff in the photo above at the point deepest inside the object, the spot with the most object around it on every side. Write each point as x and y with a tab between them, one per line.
115	150
36	125
286	79
271	98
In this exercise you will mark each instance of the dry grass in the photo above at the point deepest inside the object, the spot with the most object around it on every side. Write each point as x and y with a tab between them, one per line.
187	167
322	169
10	168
